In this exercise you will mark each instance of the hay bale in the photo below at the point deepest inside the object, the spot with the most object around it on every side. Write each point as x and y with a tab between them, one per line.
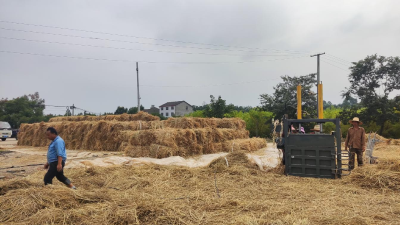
172	137
143	116
249	144
182	142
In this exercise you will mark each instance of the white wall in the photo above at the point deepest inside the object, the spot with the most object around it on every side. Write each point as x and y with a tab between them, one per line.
163	111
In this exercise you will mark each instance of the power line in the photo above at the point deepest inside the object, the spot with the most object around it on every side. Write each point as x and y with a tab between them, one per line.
347	70
340	59
212	85
158	39
337	62
129	49
134	61
131	42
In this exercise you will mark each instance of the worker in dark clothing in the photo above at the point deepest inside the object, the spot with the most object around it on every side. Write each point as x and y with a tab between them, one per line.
56	157
355	141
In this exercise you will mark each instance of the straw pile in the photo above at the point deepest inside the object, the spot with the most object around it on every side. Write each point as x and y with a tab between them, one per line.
218	194
123	117
147	138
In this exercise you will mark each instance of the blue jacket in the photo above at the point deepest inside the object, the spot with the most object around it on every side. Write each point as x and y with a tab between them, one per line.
56	148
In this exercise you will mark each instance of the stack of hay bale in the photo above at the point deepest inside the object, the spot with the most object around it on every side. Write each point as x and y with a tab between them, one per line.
144	135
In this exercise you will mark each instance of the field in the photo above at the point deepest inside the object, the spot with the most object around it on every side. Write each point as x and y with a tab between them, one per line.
216	194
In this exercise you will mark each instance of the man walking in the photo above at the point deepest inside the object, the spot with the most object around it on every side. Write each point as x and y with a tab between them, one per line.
355	140
56	157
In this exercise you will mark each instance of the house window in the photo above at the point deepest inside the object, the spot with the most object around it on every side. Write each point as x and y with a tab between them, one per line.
162	114
172	107
172	114
166	114
161	108
167	108
187	108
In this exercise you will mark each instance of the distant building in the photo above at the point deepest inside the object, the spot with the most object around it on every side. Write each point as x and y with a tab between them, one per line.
179	108
152	110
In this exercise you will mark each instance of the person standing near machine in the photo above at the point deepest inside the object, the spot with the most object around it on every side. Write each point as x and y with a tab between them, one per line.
355	141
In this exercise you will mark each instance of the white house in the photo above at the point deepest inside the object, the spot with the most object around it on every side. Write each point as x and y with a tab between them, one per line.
179	108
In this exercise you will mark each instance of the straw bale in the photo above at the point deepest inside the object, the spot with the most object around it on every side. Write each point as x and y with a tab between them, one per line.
106	134
249	144
193	122
143	116
182	142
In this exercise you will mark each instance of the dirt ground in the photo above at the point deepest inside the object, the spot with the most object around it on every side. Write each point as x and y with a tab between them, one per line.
16	161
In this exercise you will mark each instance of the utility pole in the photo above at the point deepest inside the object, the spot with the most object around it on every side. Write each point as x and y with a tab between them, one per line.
138	94
318	78
73	107
319	95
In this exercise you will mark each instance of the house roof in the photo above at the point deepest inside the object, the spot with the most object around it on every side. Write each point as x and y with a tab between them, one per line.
173	103
152	110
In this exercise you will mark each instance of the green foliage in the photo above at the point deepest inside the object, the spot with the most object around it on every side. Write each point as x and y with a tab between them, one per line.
217	108
257	121
25	109
121	110
284	99
199	113
134	110
199	108
372	80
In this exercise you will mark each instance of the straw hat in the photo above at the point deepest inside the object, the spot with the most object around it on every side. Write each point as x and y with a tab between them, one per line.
316	128
356	119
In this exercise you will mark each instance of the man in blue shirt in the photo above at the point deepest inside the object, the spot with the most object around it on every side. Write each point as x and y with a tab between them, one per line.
56	157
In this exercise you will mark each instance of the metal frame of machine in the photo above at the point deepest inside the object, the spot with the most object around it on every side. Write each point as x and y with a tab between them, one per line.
314	155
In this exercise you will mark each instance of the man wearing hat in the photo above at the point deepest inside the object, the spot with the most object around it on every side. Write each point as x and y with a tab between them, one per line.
316	129
355	140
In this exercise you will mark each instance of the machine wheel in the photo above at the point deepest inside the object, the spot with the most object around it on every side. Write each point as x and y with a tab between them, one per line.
3	139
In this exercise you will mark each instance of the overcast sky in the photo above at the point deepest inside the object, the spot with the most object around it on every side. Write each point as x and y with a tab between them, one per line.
187	50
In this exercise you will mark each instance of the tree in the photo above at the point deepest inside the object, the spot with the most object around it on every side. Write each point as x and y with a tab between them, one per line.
284	99
217	108
349	102
199	108
120	110
258	122
25	109
243	108
372	80
133	110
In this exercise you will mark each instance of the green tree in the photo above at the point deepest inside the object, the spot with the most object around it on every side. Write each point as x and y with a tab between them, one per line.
284	99
120	110
372	80
133	110
217	108
198	113
258	122
25	109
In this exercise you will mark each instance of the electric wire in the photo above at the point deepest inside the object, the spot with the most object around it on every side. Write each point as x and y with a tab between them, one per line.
129	49
134	61
124	41
132	36
335	66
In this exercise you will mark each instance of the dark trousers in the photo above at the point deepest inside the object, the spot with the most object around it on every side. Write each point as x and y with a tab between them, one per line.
353	153
52	172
